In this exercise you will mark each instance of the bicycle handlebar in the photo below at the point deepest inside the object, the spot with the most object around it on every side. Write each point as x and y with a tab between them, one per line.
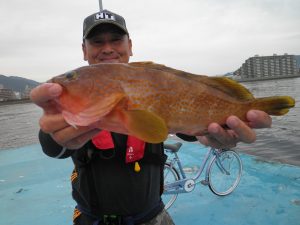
173	147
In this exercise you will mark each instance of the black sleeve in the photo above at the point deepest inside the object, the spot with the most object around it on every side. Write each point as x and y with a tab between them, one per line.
187	137
51	148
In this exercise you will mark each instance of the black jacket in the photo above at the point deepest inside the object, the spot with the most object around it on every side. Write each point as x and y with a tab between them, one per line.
104	183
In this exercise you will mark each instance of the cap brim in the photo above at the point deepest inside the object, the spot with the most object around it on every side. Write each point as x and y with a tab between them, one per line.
104	22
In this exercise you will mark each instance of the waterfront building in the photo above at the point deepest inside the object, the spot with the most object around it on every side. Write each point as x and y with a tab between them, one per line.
268	67
26	93
6	94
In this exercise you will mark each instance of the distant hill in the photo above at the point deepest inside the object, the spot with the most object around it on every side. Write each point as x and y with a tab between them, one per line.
17	83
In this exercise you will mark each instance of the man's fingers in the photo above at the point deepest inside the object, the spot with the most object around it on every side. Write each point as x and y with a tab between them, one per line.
69	134
79	141
238	130
50	123
42	94
242	130
219	134
218	137
259	119
210	141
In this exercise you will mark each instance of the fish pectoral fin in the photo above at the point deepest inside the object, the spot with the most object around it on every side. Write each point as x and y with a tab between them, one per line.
146	126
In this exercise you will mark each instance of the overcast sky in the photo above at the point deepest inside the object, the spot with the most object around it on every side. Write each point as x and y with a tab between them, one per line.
41	39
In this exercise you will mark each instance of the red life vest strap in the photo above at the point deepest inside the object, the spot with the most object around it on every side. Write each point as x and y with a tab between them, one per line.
134	148
103	140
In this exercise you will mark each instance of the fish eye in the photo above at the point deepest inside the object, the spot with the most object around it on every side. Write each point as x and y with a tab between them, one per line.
71	75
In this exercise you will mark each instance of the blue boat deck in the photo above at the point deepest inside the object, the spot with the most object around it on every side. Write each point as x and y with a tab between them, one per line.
35	189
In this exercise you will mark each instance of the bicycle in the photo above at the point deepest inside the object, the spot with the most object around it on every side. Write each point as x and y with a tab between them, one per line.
222	176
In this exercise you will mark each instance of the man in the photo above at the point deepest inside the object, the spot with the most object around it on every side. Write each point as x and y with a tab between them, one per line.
108	189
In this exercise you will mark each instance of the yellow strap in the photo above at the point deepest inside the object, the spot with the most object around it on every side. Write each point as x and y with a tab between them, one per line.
76	214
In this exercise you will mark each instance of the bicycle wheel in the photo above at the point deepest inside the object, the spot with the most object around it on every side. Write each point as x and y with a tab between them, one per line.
224	173
170	175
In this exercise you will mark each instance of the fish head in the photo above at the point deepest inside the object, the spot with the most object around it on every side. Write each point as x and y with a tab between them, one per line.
87	95
76	90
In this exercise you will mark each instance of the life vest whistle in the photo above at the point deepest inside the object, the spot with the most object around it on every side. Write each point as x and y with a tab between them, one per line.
137	167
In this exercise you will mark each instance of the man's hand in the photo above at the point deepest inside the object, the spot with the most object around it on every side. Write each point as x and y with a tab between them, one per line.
52	121
239	131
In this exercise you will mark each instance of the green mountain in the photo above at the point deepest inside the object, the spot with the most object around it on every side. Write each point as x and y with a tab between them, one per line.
17	83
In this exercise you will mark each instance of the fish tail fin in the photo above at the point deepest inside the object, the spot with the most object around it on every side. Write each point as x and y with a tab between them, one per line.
276	105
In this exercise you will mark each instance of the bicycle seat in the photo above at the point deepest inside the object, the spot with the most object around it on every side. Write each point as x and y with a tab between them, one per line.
173	147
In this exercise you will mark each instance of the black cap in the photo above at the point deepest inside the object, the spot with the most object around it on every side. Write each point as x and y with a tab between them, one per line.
103	17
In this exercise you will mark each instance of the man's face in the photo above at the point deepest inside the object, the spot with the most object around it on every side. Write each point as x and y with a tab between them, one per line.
107	46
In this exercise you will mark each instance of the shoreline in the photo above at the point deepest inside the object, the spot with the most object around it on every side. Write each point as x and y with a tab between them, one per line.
17	101
266	78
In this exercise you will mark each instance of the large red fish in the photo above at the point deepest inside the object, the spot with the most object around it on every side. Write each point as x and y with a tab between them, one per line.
149	100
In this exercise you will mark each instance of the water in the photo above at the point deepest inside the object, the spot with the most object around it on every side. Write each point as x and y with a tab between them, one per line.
19	124
281	142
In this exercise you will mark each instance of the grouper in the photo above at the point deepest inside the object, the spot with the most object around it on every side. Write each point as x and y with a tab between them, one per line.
150	101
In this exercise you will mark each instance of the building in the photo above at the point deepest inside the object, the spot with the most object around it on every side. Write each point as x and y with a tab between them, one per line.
6	94
268	67
26	93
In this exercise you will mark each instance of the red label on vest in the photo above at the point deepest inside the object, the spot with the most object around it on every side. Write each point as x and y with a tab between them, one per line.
135	149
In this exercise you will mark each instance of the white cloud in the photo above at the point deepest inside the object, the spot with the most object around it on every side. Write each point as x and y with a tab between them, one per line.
40	39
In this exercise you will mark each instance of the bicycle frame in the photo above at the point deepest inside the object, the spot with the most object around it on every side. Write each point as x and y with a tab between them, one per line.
185	185
223	173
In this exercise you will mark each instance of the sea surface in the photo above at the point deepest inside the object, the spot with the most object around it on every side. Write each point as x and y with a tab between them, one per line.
281	142
19	125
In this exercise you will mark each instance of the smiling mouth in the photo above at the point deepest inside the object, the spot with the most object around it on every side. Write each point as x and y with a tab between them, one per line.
110	60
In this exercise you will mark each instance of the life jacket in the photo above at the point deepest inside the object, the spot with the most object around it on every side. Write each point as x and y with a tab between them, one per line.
98	165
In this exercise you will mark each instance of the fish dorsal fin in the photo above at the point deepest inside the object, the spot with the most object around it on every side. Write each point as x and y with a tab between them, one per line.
152	65
224	84
143	64
231	87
